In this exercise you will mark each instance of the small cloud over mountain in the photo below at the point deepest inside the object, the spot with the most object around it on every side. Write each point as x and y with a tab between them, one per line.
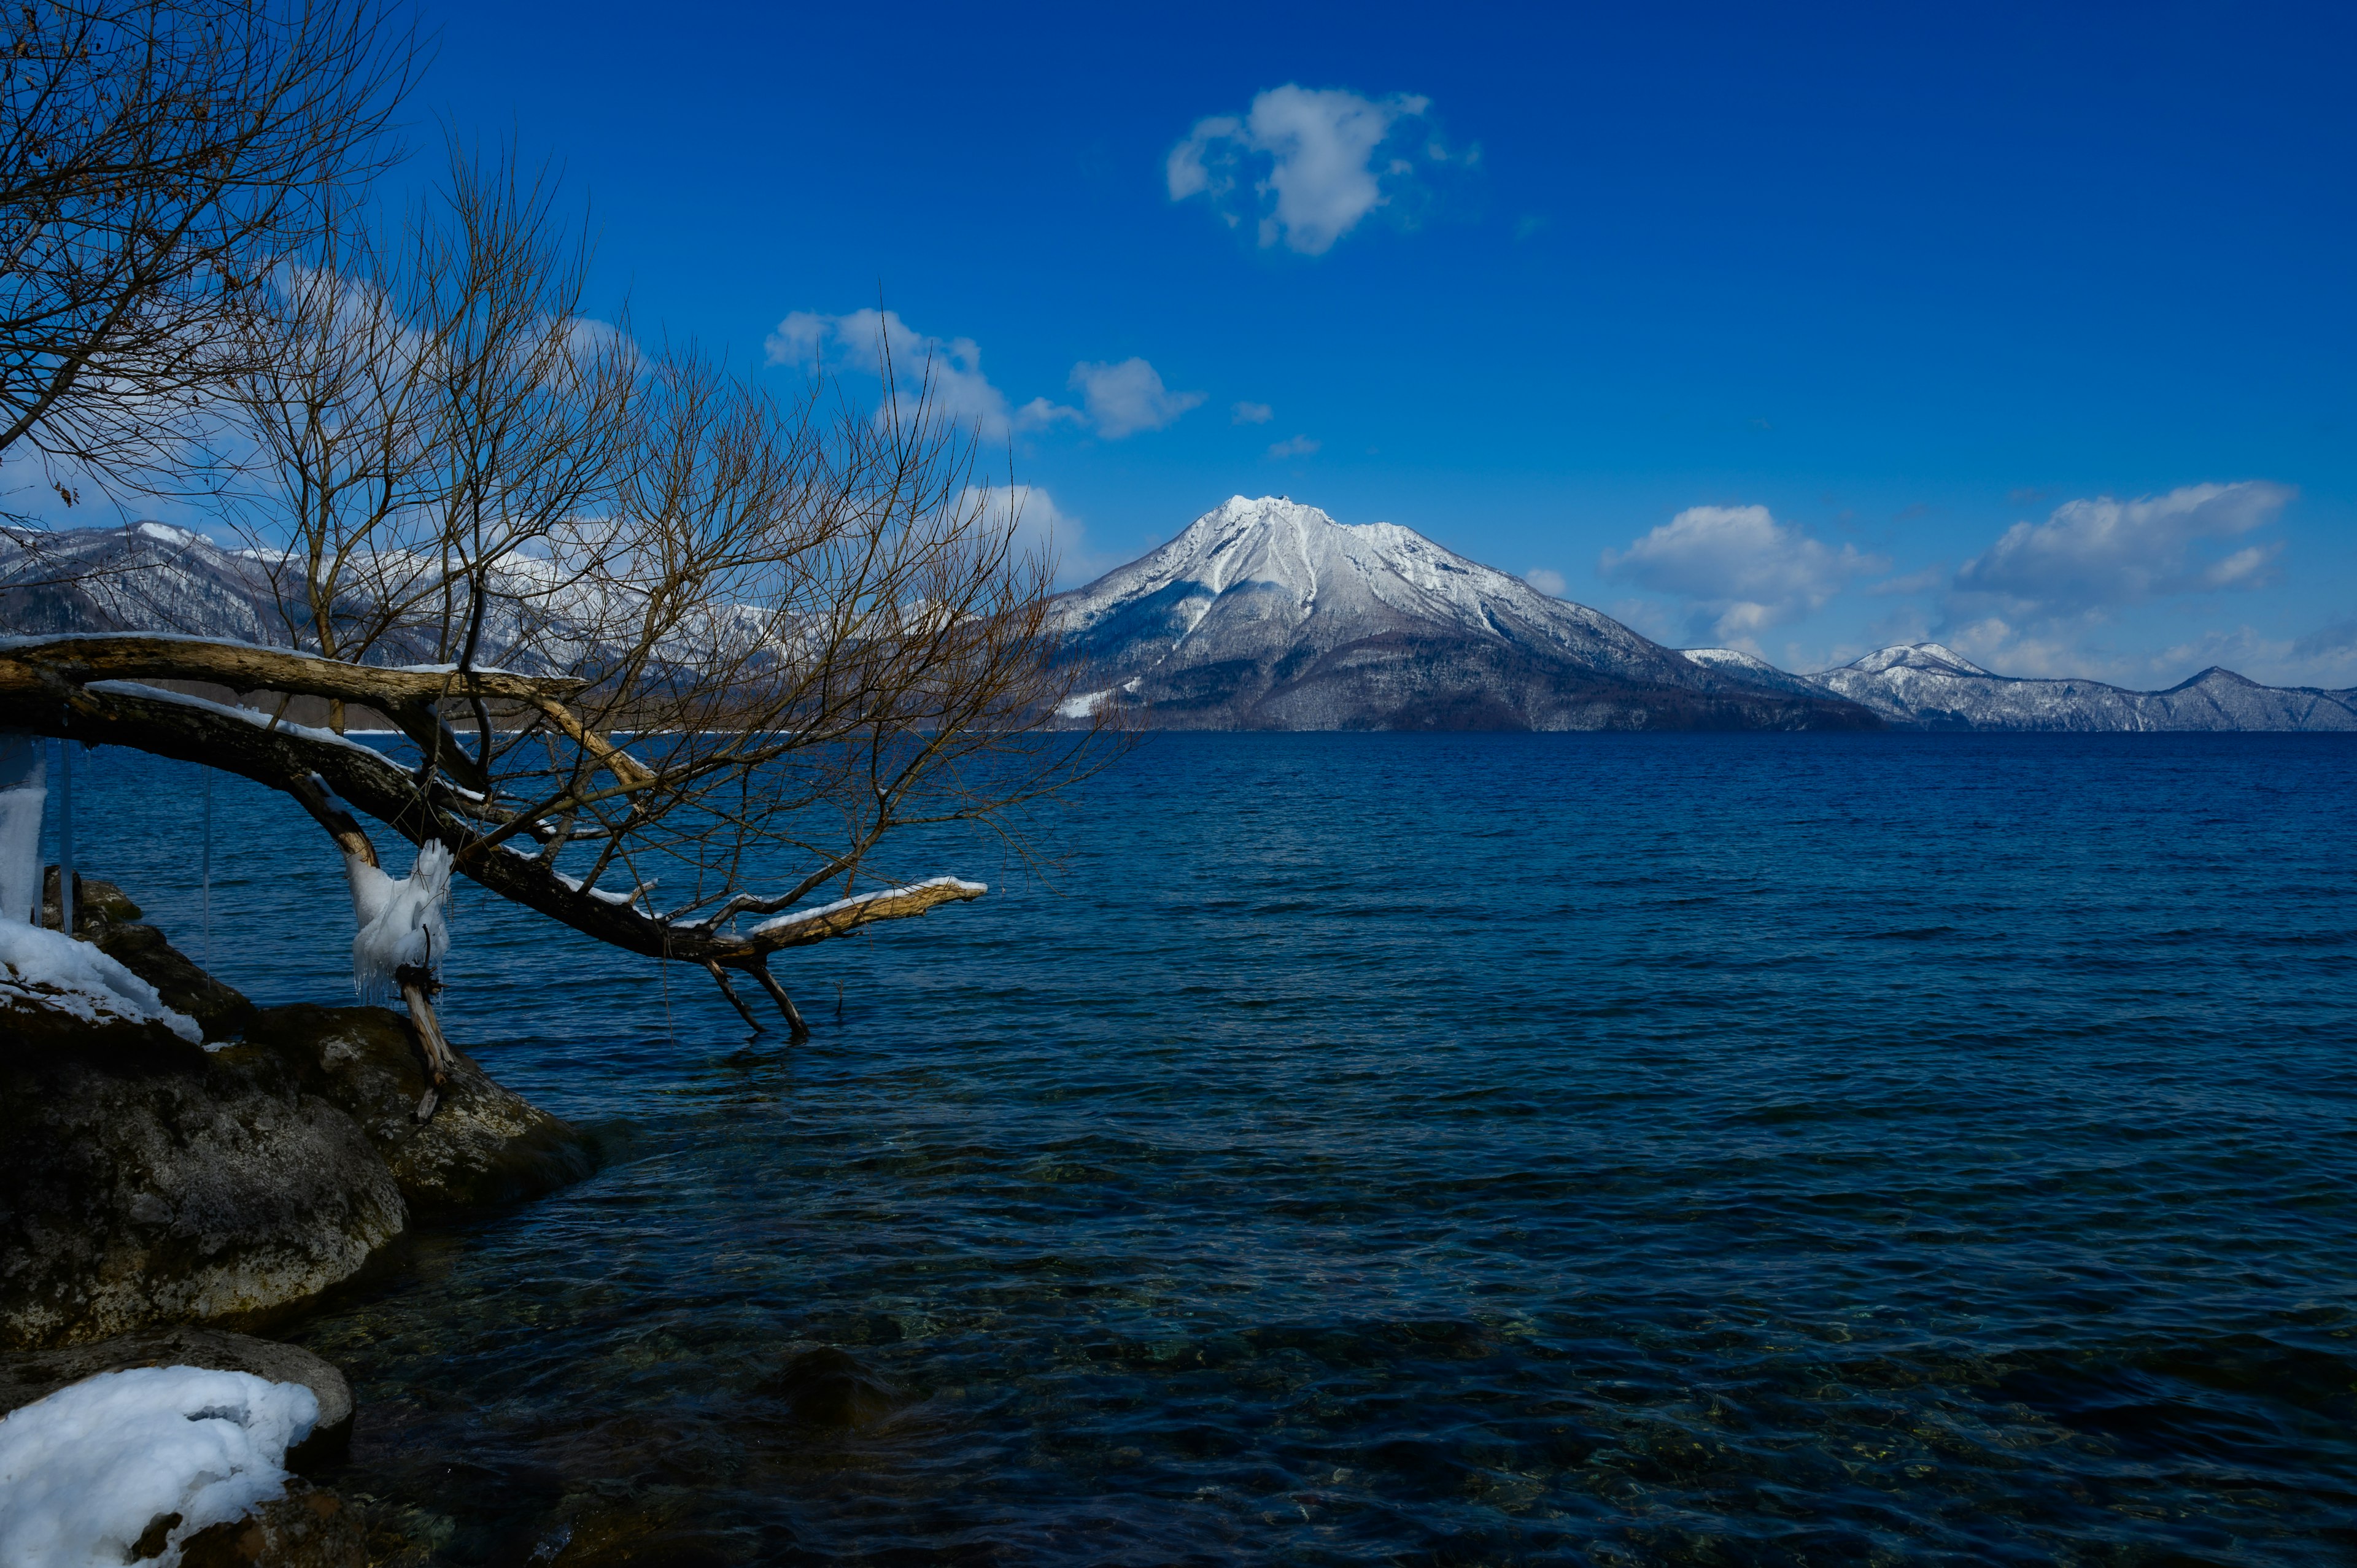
1125	398
1738	571
1251	414
1293	446
1545	581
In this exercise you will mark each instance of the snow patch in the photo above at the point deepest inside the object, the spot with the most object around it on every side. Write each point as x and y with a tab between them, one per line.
799	916
1728	659
45	969
1081	706
86	1471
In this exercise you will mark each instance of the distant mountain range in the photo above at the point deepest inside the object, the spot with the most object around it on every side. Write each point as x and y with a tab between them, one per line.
1268	614
1922	685
149	576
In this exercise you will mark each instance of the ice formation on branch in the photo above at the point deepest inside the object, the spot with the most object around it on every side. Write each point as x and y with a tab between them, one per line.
24	790
45	969
401	921
86	1471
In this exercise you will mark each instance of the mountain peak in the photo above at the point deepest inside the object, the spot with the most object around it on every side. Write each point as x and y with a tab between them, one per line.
1266	611
1934	656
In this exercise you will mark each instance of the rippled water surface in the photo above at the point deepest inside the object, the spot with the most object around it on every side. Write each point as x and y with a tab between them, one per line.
1423	1149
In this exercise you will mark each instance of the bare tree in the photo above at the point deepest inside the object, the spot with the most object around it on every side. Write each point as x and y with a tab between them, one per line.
674	660
156	156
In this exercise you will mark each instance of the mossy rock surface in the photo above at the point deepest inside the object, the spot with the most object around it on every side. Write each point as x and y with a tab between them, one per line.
145	1183
483	1145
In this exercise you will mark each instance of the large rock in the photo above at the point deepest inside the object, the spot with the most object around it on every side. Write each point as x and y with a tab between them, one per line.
38	1374
484	1144
146	1180
142	1183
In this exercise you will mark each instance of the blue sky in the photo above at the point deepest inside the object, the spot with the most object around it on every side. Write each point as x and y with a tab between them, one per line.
1801	329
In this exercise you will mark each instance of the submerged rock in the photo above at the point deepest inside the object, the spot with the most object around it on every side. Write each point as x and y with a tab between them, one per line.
827	1387
307	1528
484	1144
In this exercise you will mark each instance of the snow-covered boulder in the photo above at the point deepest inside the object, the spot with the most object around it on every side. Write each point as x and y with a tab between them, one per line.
146	1179
35	1375
182	1465
49	981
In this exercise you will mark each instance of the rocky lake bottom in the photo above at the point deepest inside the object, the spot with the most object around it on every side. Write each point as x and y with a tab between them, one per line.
1481	1149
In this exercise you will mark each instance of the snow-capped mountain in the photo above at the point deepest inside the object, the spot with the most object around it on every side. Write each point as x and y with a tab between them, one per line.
149	576
1924	685
152	576
1269	614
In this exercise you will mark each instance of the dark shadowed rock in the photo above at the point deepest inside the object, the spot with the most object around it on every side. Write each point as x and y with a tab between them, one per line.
485	1144
221	1011
146	1180
142	1183
35	1375
827	1387
307	1528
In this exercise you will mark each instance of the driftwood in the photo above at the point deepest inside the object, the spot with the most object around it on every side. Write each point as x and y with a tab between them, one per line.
90	688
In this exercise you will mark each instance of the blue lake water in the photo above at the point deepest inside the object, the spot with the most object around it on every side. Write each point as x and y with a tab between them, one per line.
1422	1149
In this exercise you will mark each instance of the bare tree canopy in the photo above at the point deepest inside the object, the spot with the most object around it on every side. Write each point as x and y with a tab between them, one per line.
156	157
674	659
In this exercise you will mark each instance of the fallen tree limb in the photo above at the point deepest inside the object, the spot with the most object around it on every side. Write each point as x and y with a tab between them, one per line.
333	777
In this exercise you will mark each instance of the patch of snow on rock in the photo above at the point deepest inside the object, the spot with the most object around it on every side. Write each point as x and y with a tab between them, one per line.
86	1473
46	968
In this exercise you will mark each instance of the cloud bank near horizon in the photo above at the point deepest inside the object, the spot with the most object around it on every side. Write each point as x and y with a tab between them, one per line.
2103	588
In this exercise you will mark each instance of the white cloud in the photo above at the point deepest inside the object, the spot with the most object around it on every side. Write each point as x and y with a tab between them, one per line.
1739	570
1126	398
2092	555
1326	163
1545	581
948	370
1251	414
1123	399
1293	446
1040	528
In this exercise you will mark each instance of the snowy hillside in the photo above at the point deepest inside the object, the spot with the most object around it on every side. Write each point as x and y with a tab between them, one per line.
1269	614
149	576
1924	685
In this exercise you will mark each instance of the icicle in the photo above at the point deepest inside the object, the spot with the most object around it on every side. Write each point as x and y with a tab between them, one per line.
400	922
205	895
65	837
24	788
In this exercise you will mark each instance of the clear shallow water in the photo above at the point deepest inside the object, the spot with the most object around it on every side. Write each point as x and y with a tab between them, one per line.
1426	1149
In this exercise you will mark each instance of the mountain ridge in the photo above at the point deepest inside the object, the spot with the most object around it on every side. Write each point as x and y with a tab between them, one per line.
1927	685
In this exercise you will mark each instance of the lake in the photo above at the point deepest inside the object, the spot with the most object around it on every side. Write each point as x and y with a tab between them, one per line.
1429	1149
